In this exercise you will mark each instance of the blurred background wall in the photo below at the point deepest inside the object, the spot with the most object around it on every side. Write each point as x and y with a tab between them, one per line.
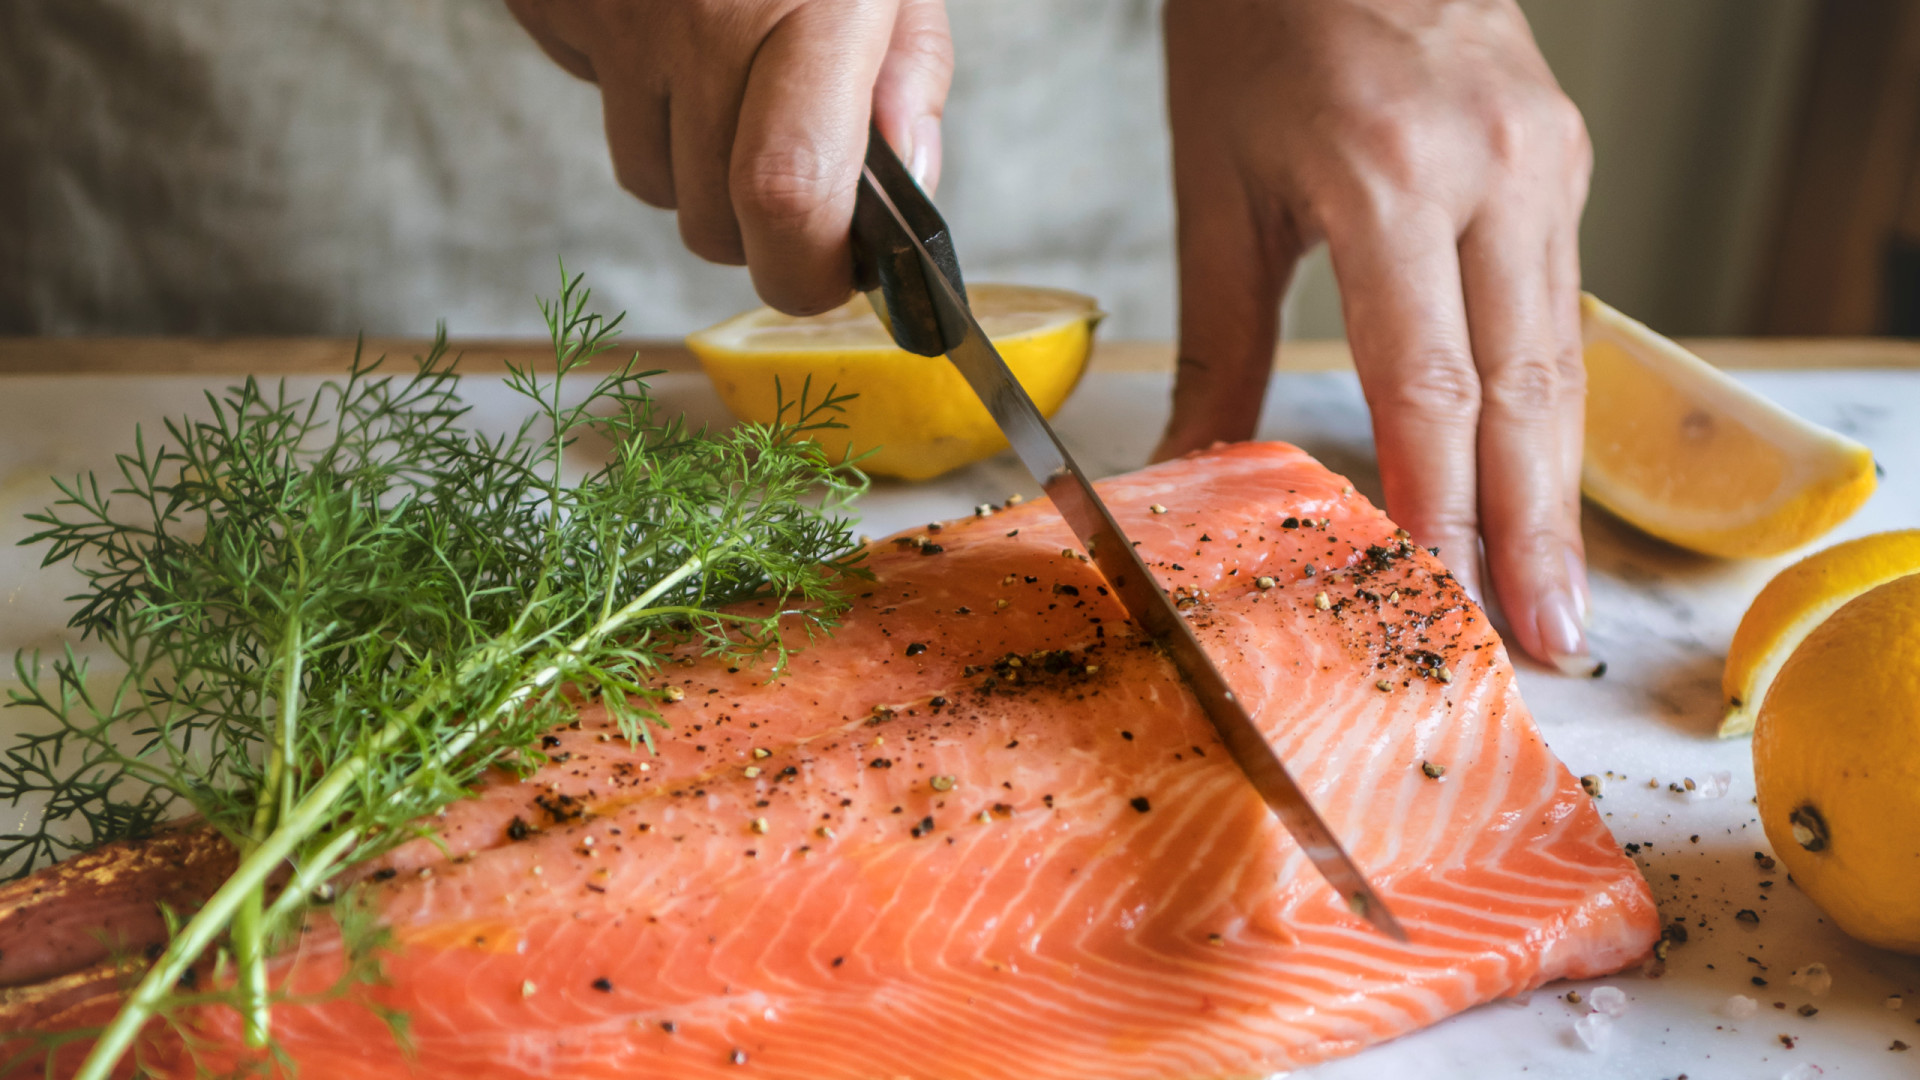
239	166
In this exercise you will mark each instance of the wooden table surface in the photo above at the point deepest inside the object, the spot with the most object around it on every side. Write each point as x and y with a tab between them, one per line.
321	355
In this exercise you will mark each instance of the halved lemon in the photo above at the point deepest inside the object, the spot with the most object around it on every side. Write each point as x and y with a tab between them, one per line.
1794	603
1679	449
915	413
1836	765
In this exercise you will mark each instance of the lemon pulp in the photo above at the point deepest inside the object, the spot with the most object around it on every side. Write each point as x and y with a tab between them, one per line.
914	415
1681	450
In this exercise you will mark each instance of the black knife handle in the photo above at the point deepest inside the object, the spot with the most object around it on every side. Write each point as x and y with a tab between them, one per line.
884	260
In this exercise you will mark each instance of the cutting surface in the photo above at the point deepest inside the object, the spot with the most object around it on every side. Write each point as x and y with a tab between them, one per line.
1662	621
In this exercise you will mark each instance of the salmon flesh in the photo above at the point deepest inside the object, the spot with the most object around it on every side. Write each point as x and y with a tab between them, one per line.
983	831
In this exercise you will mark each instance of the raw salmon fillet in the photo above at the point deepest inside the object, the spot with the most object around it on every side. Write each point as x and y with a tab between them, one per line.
984	831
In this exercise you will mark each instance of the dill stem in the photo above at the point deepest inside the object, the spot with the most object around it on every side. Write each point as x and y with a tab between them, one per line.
249	925
291	690
244	887
247	881
691	611
638	606
309	875
633	609
320	867
249	947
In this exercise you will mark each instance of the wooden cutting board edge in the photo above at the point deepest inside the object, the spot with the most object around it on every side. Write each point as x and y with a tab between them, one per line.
325	355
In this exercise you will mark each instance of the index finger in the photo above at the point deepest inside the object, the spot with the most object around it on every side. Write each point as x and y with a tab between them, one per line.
1531	370
1399	275
799	147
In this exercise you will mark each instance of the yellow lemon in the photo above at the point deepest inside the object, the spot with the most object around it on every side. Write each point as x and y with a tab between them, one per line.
1679	449
1798	599
1836	759
915	413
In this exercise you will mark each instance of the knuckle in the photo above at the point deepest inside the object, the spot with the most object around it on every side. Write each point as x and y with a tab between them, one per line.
1392	176
1523	385
1570	369
1564	131
1536	126
1441	384
1510	133
926	49
788	186
1568	138
1565	124
1393	144
1579	153
1351	210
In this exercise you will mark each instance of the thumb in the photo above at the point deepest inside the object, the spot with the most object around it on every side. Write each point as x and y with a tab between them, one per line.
1233	269
911	93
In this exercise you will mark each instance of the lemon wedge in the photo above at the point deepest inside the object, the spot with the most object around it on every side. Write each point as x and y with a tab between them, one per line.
1797	600
915	414
1679	449
1836	765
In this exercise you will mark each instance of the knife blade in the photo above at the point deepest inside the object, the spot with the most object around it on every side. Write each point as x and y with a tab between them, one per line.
905	260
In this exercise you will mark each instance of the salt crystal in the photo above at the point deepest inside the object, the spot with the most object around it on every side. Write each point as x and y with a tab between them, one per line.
1713	786
1739	1007
1814	979
1593	1030
1894	1001
1608	999
1806	1070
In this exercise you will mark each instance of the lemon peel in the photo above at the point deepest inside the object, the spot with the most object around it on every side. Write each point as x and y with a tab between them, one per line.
1797	600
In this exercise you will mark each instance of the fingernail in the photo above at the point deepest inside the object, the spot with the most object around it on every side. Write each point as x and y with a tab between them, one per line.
1577	584
1561	634
926	143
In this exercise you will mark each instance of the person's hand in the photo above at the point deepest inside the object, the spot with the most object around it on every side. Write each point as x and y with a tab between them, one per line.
1427	143
749	117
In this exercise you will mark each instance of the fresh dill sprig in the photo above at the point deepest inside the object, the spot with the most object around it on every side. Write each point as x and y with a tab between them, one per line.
337	613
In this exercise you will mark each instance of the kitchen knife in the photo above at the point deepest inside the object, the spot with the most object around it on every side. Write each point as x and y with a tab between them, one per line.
904	260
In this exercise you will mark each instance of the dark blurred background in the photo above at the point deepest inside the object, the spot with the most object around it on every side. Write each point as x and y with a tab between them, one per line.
270	166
